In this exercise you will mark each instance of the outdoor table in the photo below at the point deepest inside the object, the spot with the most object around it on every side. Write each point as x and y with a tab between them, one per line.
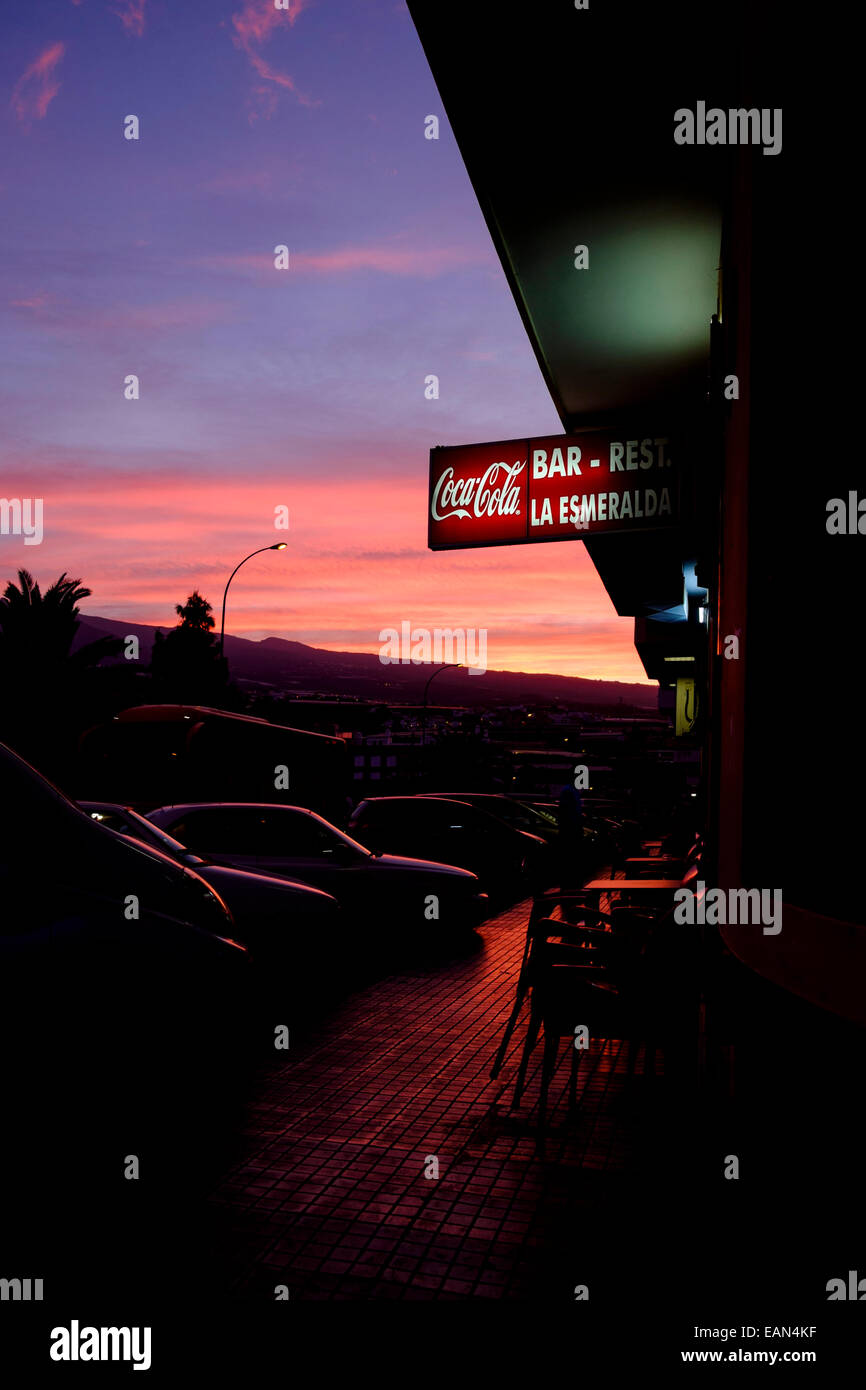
632	885
655	861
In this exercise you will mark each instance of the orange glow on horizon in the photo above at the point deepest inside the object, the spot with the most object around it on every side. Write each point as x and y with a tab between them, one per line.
356	562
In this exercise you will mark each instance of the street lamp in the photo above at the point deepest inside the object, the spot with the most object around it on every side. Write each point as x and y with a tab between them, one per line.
280	546
450	666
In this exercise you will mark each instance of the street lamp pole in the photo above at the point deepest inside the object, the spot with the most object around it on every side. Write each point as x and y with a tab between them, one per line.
450	666
280	546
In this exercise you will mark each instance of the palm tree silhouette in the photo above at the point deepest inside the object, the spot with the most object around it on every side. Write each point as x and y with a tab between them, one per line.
40	628
44	685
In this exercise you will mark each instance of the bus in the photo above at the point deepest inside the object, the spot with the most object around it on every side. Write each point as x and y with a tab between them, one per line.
154	755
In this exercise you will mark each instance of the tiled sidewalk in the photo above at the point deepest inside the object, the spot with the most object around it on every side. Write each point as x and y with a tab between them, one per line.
331	1198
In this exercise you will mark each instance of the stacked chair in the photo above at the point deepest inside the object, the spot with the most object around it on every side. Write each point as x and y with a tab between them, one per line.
580	915
628	974
664	864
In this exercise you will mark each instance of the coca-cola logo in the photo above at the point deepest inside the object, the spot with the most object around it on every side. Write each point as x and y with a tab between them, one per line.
495	493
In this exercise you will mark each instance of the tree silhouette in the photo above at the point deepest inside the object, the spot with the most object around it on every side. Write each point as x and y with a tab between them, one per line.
196	613
186	664
45	686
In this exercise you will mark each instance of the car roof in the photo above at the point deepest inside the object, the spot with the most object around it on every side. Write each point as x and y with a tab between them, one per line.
231	805
431	800
471	799
422	796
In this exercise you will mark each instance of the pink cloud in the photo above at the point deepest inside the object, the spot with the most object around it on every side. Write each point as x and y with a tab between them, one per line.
37	86
257	20
36	301
254	25
391	260
269	74
387	259
131	16
68	319
182	313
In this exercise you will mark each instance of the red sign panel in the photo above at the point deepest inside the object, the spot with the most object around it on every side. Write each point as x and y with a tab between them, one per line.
560	487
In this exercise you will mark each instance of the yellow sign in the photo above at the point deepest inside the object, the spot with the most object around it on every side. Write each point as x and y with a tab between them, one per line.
687	706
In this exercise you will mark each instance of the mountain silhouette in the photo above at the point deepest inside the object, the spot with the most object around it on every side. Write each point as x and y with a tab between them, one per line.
295	667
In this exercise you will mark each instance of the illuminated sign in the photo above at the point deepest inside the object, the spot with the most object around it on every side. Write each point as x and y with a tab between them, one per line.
560	487
686	707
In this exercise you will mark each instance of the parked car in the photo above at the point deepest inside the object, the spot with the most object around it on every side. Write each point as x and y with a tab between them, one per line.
513	813
123	994
56	863
609	836
281	921
509	862
150	754
598	843
520	815
292	842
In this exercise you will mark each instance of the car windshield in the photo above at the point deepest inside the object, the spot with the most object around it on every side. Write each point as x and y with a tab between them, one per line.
539	814
131	823
512	813
261	831
437	813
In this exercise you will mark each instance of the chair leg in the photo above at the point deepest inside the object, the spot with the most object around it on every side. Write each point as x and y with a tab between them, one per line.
531	1039
576	1054
522	988
507	1035
551	1048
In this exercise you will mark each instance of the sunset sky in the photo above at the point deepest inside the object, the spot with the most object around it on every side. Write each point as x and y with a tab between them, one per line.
259	387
